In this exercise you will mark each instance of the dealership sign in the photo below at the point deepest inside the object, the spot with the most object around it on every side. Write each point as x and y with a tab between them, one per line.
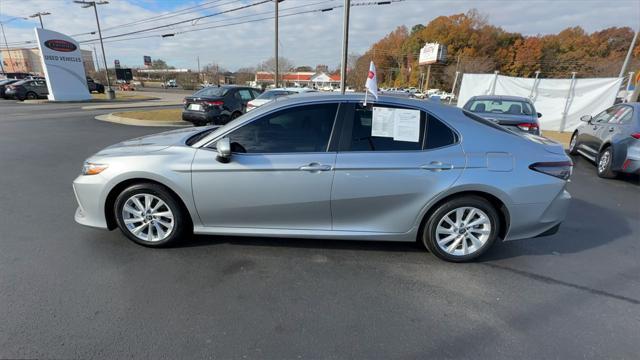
63	66
432	53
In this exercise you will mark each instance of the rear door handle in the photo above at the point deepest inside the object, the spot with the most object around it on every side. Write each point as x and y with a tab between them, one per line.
437	166
315	167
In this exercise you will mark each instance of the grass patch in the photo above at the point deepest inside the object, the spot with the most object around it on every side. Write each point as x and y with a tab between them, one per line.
122	96
562	137
155	115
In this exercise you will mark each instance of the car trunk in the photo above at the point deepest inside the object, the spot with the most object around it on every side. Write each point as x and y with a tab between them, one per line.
202	103
508	119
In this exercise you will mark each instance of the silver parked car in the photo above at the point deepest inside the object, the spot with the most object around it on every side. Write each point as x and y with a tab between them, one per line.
326	166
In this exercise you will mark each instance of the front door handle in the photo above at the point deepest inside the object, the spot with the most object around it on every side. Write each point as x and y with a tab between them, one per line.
315	167
611	129
437	166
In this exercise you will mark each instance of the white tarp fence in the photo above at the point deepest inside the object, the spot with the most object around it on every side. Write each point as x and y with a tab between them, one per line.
561	101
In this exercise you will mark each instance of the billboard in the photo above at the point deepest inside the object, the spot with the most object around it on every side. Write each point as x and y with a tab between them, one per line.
124	74
62	65
147	61
432	53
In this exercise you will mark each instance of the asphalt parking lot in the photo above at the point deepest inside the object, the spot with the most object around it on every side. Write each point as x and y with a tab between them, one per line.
67	291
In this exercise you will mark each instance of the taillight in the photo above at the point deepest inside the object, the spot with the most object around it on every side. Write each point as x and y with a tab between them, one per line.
214	103
528	126
559	169
636	135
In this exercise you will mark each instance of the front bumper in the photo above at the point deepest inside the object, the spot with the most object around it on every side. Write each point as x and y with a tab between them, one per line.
88	191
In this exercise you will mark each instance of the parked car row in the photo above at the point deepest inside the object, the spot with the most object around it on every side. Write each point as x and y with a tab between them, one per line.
35	87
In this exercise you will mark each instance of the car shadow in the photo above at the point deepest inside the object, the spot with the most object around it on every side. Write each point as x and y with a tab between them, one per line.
590	166
587	226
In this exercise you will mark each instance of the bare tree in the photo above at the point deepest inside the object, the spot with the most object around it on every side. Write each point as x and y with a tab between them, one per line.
269	65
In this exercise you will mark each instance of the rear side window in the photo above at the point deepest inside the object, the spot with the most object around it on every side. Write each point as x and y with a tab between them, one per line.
364	137
622	115
439	134
245	94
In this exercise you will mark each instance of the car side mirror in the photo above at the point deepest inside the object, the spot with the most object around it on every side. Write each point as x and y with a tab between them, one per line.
539	115
224	150
586	118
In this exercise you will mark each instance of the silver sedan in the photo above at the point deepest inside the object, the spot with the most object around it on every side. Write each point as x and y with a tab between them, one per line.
328	166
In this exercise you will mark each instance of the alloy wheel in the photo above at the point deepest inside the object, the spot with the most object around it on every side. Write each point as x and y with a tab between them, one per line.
572	145
148	217
603	163
463	231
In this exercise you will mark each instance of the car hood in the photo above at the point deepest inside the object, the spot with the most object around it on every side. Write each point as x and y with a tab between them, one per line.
150	143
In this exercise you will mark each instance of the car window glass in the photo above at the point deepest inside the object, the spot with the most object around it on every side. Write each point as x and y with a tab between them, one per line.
621	116
362	138
603	116
245	95
211	91
438	134
255	93
300	129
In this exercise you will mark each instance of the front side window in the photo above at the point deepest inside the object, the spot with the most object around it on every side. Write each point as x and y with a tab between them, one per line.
300	129
604	116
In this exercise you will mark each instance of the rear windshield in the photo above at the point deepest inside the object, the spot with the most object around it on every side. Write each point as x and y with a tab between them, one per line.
211	91
496	106
272	94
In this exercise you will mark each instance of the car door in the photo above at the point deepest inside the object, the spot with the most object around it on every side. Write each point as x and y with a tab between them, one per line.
619	116
279	175
384	178
590	137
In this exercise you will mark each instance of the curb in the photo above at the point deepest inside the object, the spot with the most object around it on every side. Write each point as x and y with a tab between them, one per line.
132	104
135	122
93	101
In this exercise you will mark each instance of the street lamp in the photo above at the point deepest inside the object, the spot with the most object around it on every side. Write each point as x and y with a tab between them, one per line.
39	15
6	44
87	4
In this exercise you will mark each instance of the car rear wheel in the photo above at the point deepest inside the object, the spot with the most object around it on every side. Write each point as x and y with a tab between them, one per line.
604	164
31	95
573	144
461	229
149	215
235	115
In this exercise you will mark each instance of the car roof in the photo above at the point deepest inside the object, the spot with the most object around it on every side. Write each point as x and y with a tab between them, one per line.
501	97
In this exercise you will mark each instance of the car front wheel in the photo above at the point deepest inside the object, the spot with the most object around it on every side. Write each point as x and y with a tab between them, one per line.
149	215
573	144
461	229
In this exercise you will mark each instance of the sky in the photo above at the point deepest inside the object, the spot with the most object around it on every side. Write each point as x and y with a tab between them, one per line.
305	39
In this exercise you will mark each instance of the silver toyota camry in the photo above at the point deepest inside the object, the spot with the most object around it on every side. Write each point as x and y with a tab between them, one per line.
331	167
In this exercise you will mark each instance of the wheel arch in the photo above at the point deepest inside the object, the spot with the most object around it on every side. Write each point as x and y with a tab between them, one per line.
118	188
498	204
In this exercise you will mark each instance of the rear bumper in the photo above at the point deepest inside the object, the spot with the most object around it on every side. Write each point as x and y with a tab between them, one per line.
202	117
531	220
631	165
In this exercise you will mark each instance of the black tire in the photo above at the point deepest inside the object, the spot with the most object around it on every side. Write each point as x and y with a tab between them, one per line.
31	95
182	226
428	234
604	170
573	144
235	115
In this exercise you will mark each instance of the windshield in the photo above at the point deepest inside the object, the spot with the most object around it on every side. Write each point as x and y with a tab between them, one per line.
513	107
272	94
211	92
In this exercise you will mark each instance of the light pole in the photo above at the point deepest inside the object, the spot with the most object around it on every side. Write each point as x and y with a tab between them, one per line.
39	15
86	4
277	74
6	44
345	46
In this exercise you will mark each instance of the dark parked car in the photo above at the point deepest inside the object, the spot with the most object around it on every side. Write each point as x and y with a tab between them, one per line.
512	112
4	84
217	104
611	139
27	89
94	86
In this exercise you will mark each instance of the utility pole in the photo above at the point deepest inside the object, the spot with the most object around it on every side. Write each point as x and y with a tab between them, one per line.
277	74
85	4
39	15
345	46
95	52
628	57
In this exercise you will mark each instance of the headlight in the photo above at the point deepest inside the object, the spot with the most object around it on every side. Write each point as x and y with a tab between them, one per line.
93	168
